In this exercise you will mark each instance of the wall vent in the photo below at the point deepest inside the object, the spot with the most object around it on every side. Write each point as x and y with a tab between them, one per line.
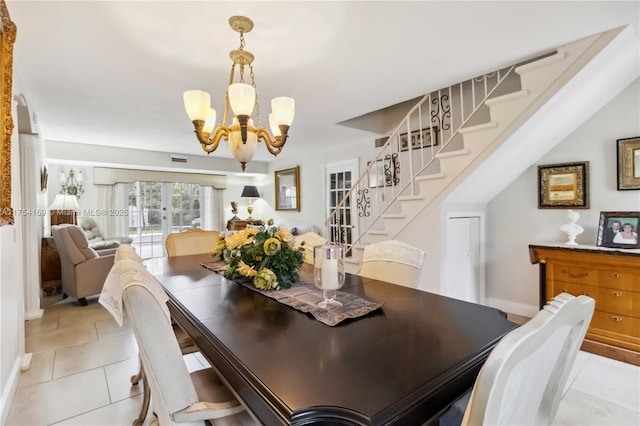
179	158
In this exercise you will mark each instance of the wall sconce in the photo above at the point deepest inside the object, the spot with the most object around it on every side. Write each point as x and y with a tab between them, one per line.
71	183
250	192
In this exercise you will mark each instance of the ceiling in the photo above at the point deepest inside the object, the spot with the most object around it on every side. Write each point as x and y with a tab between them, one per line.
113	72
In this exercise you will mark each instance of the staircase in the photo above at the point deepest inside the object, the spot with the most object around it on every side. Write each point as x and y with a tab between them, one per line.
445	137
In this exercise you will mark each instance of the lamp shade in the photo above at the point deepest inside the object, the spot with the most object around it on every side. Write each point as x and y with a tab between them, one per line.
65	202
242	98
250	191
197	104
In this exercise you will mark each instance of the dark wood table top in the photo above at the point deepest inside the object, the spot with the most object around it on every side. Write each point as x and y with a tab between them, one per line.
401	364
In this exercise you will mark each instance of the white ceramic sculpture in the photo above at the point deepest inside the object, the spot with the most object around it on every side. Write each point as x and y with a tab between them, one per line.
572	229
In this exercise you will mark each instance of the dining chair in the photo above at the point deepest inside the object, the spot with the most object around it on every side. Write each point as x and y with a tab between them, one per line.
524	377
392	261
178	397
127	261
308	241
191	241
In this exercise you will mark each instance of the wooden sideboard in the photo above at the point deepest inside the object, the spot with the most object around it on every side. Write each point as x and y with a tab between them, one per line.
239	225
611	278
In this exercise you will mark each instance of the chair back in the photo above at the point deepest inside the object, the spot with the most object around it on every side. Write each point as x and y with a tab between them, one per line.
308	241
73	248
171	386
523	379
392	261
191	241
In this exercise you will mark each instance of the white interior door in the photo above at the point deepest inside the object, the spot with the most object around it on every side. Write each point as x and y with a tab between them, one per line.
339	179
465	260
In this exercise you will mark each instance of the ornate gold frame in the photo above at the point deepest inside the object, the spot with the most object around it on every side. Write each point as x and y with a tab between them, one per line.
562	186
7	39
628	163
287	180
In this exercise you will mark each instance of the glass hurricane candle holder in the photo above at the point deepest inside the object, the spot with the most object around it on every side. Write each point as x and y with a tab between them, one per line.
328	272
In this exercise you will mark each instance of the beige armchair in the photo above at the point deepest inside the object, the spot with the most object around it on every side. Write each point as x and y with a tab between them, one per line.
83	269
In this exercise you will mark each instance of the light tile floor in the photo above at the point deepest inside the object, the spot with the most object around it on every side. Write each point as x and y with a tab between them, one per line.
82	363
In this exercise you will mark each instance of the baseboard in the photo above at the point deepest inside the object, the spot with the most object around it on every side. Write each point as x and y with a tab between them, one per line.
9	391
33	314
512	307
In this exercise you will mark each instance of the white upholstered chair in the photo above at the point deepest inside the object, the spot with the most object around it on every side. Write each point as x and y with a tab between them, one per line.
522	381
191	241
308	241
392	261
178	397
128	261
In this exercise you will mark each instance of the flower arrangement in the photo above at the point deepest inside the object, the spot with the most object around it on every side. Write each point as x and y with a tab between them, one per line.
265	256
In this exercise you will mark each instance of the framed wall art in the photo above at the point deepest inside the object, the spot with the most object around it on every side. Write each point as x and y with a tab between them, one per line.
287	184
628	163
7	40
385	172
563	186
619	230
429	138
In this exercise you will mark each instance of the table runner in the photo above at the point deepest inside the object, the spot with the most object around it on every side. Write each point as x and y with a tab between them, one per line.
306	296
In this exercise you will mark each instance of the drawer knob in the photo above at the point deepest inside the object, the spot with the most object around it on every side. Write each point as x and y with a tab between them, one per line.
616	274
583	274
616	318
616	293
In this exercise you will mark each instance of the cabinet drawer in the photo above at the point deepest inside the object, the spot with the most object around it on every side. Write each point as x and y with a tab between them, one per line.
617	278
609	300
620	324
575	274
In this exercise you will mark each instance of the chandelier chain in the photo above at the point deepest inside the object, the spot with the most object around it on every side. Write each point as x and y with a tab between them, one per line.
253	83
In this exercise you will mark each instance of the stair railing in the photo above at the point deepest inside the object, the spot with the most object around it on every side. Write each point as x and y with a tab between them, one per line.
410	151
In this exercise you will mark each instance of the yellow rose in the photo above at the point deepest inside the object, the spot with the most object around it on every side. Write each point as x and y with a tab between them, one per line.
271	246
284	235
266	279
246	270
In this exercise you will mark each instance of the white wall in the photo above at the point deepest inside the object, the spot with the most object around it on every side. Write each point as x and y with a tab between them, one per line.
11	290
514	220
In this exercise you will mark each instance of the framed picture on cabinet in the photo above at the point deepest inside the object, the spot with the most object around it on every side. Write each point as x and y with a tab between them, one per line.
562	186
628	151
619	230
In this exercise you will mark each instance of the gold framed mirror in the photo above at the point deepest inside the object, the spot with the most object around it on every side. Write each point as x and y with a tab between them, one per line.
287	185
7	39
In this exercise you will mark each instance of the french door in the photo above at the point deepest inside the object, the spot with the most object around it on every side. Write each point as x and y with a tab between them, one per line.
157	209
343	226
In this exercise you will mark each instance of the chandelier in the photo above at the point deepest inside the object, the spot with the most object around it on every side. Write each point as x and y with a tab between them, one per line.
241	133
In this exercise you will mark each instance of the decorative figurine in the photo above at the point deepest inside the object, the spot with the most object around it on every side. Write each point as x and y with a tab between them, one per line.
572	229
234	210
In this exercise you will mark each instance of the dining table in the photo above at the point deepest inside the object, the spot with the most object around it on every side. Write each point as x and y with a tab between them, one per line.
402	364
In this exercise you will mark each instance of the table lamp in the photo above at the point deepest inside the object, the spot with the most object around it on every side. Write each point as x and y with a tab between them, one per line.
250	192
64	209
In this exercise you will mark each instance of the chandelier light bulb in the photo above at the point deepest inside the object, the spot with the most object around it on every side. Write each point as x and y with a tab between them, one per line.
242	98
284	109
275	130
197	103
210	122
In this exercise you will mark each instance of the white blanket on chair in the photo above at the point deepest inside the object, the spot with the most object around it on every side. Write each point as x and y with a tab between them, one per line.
125	273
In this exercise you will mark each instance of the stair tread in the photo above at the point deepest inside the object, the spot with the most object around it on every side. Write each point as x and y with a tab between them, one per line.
430	177
558	57
453	153
479	127
410	197
508	97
